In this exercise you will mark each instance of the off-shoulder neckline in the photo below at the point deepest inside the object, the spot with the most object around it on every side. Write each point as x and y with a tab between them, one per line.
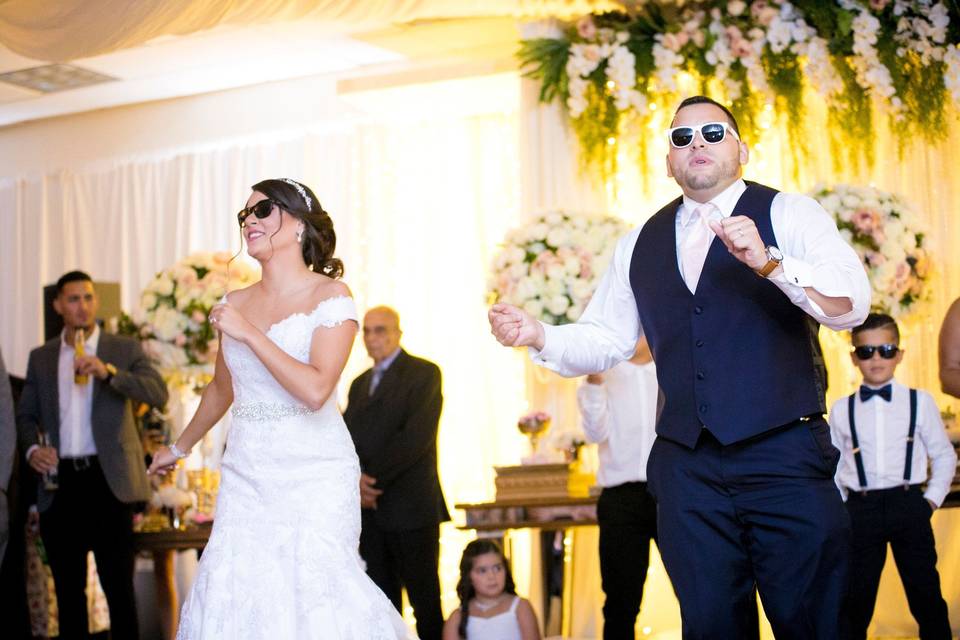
298	314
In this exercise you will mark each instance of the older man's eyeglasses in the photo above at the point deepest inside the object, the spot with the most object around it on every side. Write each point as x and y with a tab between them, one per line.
261	210
711	132
866	351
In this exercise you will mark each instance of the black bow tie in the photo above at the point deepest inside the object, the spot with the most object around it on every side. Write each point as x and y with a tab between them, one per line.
885	392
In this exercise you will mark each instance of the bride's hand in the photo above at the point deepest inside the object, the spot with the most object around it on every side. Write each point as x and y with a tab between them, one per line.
227	319
163	462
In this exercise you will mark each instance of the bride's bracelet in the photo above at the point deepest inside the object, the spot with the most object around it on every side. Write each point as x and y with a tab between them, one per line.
177	453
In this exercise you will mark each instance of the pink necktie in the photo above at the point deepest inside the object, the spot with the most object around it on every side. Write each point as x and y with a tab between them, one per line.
693	251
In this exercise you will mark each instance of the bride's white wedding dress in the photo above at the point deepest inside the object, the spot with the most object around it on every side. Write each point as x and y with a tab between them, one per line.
282	561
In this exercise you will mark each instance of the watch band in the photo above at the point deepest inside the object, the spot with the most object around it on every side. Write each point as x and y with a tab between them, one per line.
768	268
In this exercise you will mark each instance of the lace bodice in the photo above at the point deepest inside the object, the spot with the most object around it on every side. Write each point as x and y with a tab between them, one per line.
253	384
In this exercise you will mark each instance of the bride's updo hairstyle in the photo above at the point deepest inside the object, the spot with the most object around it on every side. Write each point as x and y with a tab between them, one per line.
319	240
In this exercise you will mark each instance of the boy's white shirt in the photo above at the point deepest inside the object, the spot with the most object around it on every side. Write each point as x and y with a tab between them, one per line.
882	429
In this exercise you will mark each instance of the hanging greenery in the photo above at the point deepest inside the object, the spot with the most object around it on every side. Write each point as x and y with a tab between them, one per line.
897	57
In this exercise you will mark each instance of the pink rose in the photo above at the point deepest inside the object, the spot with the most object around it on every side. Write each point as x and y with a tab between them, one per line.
671	41
586	29
198	316
865	220
879	5
180	340
683	38
741	48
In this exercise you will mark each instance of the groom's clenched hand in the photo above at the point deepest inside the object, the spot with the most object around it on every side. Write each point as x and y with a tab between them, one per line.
515	327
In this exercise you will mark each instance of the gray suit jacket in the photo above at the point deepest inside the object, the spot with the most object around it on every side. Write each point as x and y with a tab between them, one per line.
115	432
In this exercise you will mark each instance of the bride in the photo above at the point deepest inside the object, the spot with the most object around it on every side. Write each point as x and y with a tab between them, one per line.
283	560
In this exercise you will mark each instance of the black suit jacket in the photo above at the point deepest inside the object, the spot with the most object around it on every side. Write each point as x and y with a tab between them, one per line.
395	433
115	431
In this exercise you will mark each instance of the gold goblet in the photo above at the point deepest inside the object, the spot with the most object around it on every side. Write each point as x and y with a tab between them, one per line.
533	428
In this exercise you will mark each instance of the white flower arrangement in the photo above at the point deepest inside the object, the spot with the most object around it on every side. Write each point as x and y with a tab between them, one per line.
900	55
172	319
551	267
889	240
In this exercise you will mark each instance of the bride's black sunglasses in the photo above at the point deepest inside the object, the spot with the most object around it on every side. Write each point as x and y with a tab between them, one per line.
262	210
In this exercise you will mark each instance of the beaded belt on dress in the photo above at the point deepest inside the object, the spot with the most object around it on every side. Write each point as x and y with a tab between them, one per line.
261	411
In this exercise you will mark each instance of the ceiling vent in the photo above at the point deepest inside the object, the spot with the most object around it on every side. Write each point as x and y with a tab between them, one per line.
54	77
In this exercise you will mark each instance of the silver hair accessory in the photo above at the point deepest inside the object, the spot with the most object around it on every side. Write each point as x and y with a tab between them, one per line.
299	187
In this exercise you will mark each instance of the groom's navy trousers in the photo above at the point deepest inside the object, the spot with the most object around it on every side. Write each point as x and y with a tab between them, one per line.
764	512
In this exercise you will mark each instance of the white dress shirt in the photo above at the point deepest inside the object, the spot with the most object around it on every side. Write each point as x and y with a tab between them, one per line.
882	429
620	415
815	255
76	401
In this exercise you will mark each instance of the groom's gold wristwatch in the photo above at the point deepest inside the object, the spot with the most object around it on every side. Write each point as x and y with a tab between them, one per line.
111	371
774	258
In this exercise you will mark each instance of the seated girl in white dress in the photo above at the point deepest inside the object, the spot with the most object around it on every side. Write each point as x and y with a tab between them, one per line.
490	608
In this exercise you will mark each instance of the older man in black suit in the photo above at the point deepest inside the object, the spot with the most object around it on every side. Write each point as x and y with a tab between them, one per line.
80	392
393	416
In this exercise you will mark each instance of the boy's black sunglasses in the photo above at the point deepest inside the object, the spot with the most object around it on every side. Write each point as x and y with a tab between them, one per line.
262	210
866	351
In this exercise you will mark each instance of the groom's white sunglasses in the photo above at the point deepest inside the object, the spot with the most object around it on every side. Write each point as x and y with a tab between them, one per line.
711	132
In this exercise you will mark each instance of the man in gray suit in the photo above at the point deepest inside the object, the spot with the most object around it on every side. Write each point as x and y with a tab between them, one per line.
8	441
84	404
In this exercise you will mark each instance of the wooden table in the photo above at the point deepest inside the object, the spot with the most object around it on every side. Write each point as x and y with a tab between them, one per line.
193	537
548	514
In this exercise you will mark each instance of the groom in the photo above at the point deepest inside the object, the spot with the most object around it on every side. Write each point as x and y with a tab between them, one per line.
393	417
728	284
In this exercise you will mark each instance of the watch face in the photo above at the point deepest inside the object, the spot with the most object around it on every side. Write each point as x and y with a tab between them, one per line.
774	253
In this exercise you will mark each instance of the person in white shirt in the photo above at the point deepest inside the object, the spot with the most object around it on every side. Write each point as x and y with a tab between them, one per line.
619	413
887	433
729	283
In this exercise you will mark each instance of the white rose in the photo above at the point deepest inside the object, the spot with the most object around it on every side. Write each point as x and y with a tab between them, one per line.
518	270
148	301
538	232
558	237
558	305
515	254
553	217
163	285
736	7
574	312
581	290
526	288
556	272
554	287
533	307
572	265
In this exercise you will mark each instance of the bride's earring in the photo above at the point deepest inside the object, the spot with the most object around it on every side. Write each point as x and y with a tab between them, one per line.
300	234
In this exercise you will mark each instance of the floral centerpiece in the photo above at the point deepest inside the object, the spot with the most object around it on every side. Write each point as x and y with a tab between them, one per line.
613	68
887	237
172	319
551	266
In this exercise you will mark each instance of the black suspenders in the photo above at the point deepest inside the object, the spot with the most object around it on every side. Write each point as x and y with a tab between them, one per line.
858	456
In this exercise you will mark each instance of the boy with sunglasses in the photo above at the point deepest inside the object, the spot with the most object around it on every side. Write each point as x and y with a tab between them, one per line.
887	433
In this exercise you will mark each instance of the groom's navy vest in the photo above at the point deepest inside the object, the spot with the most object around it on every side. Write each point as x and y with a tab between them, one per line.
737	357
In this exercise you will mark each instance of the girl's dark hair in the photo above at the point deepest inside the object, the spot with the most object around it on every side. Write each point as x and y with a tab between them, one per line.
319	240
465	587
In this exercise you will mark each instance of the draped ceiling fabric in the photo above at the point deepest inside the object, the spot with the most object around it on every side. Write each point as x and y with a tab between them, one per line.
71	29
